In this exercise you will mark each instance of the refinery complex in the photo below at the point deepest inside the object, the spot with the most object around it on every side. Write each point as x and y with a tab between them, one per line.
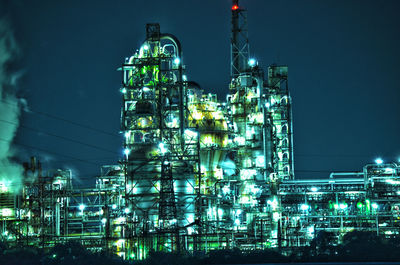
199	173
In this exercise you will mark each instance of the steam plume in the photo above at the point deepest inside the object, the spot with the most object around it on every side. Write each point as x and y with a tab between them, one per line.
10	172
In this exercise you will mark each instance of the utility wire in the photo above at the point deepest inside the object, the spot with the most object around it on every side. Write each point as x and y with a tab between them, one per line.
64	120
51	152
59	136
89	159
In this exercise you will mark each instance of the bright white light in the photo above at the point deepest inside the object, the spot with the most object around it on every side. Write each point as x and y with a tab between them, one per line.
123	90
379	161
127	134
273	203
342	206
6	212
389	170
145	47
237	222
310	230
240	140
252	62
184	77
191	133
314	189
82	207
120	220
104	220
226	189
393	182
146	89
127	151
220	212
114	206
177	61
238	211
304	207
374	206
267	105
190	218
276	216
3	187
162	148
127	210
260	161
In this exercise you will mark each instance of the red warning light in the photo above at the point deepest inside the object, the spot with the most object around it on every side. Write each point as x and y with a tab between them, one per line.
235	7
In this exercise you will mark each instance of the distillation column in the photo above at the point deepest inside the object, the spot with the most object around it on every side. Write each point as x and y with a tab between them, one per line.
161	155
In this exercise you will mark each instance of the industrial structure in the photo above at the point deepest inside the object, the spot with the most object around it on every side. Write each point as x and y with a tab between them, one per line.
199	174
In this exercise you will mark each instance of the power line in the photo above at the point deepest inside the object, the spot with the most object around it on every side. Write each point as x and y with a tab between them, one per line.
59	136
51	152
64	120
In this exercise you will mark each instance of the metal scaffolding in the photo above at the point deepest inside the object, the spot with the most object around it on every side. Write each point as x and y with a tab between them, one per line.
197	173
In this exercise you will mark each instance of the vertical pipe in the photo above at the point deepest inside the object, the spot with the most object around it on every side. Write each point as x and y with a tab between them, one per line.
58	218
267	141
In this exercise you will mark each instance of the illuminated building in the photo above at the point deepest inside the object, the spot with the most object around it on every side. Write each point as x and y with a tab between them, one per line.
197	173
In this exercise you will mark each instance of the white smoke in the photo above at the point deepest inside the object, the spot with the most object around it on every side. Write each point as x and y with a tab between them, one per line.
10	172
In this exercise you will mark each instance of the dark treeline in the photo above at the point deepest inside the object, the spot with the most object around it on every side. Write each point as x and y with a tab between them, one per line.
355	247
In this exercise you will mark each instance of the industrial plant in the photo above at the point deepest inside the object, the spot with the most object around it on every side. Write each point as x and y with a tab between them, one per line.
198	173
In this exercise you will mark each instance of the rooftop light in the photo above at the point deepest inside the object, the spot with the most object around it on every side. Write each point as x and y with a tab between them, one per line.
379	161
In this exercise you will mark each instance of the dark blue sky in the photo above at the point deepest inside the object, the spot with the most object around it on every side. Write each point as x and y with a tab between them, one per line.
343	58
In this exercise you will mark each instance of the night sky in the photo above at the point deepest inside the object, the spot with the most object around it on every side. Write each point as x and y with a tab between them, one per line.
343	58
